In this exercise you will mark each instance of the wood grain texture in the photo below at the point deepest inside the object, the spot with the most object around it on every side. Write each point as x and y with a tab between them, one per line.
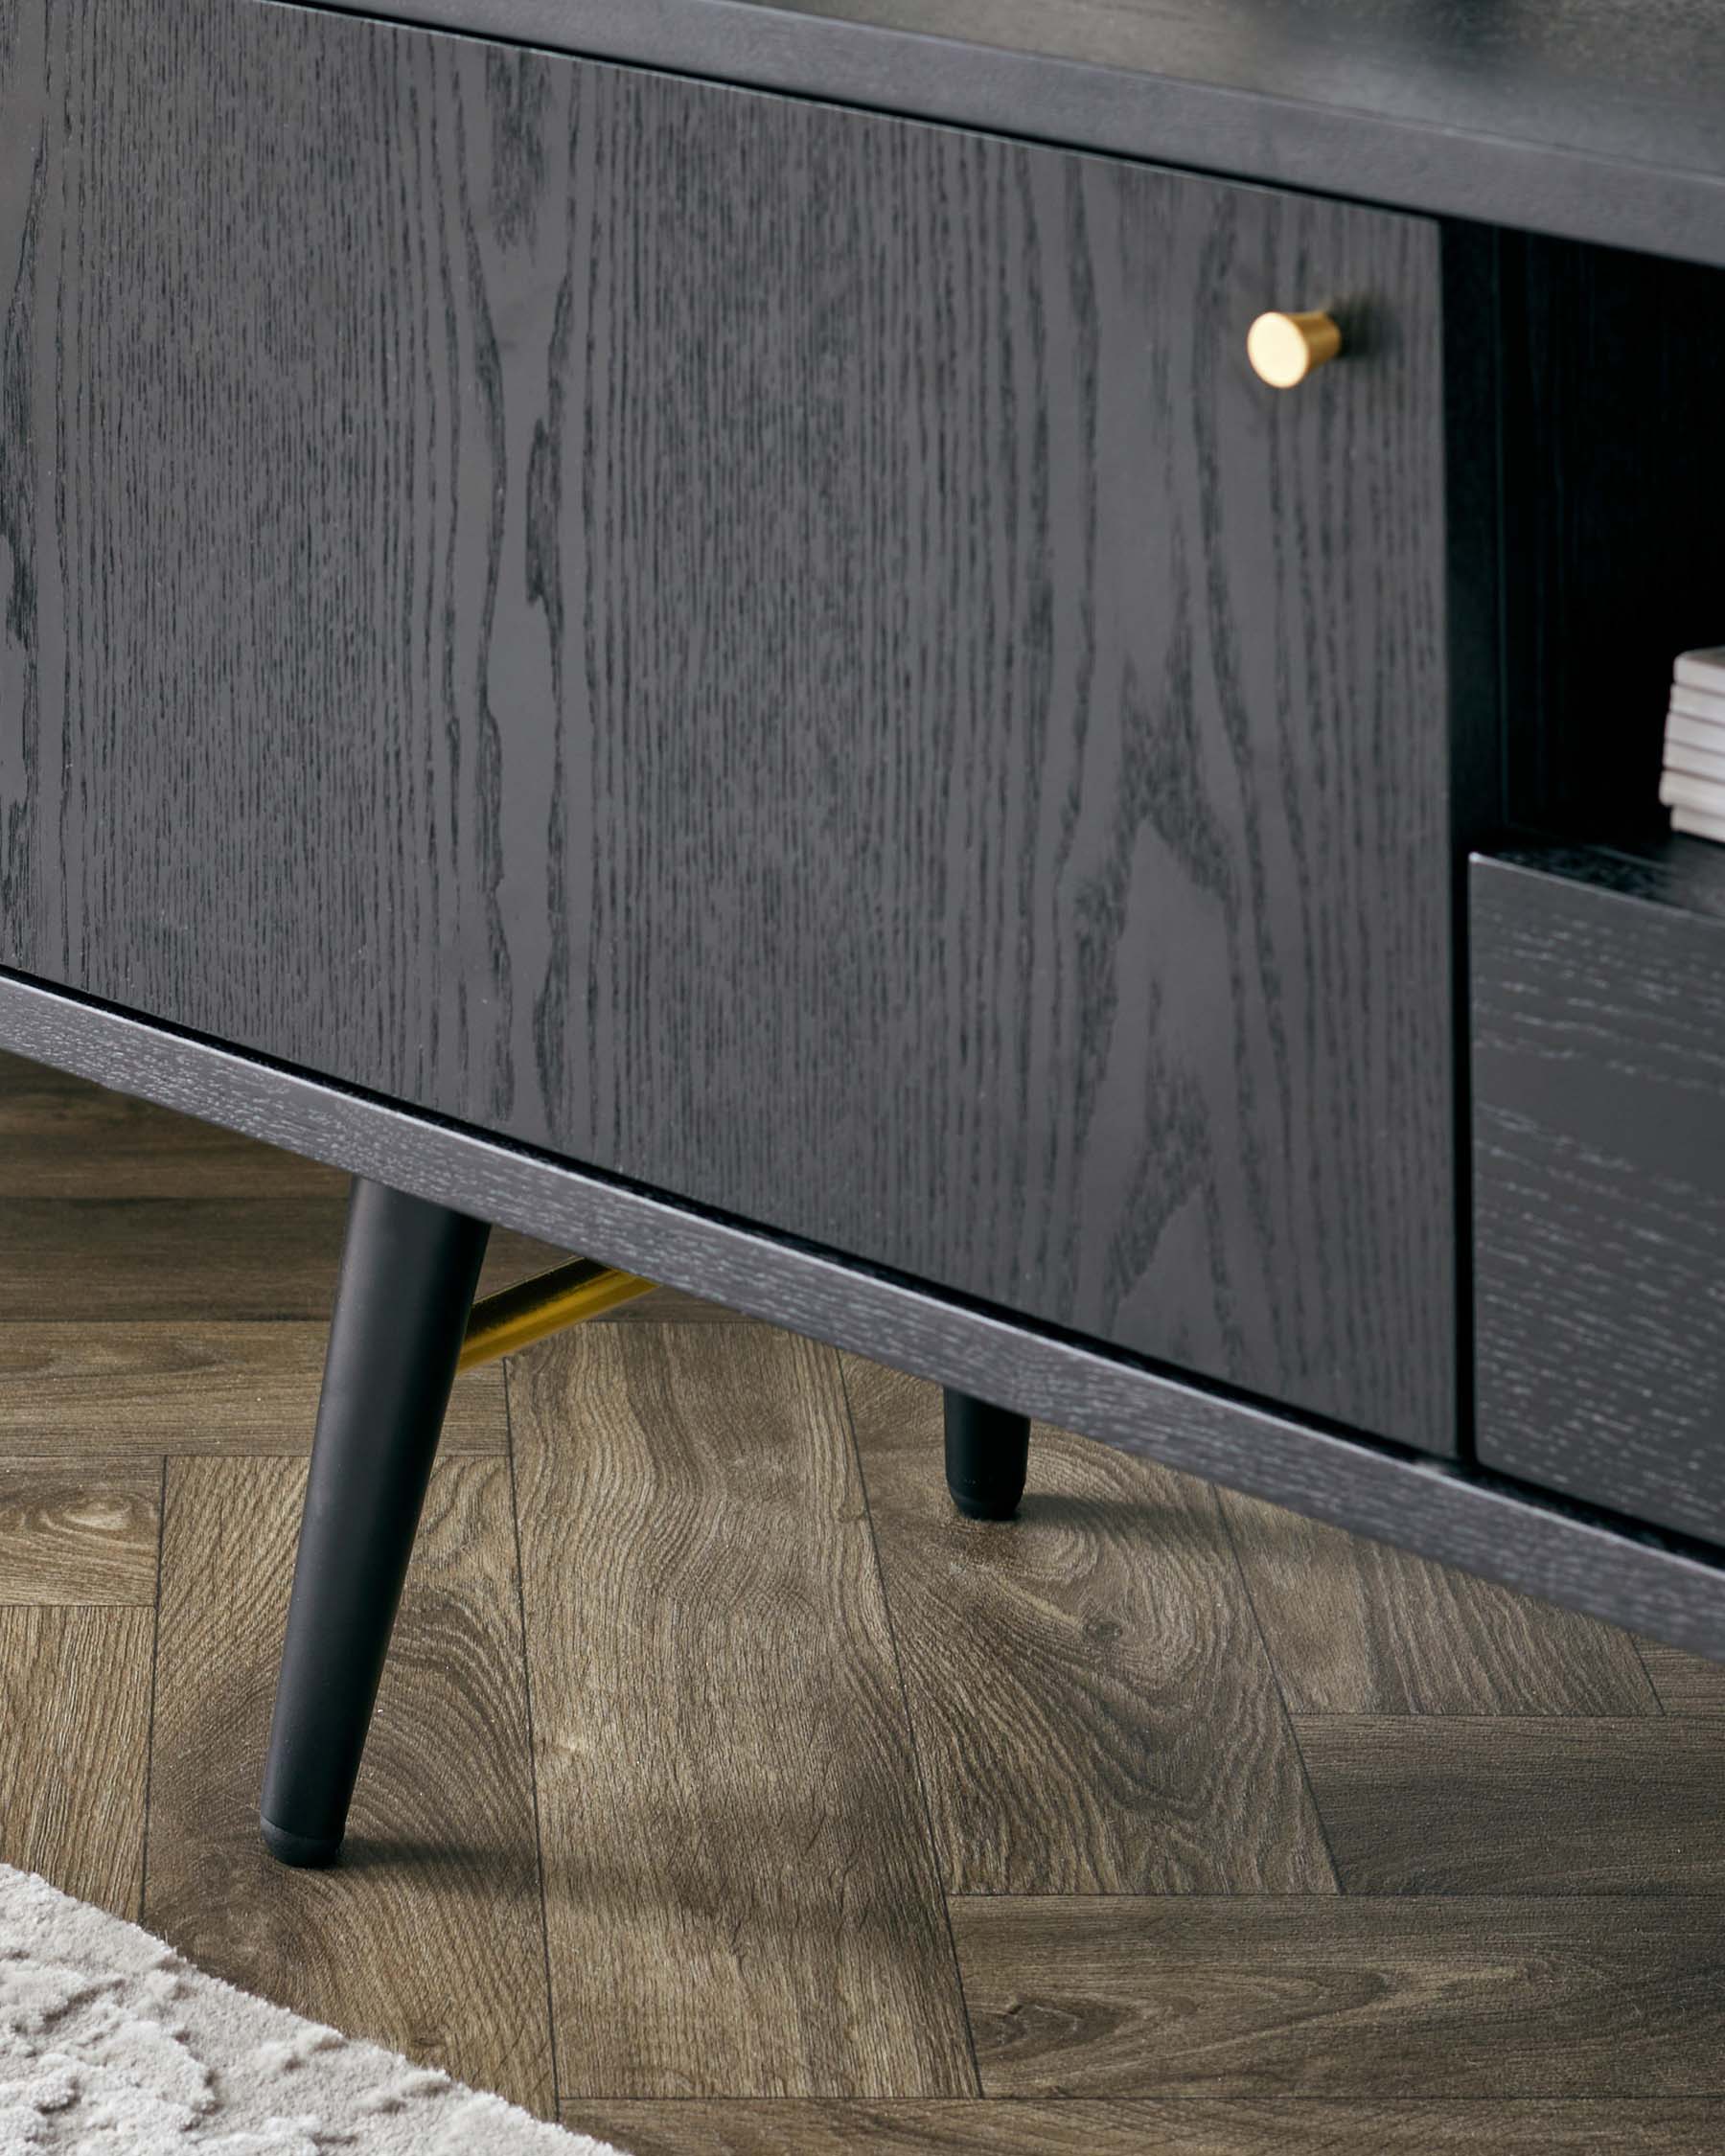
429	1936
1686	1683
63	1138
511	1257
1568	72
1556	1552
1345	1997
151	1388
1180	2121
1025	860
1665	868
670	1306
157	1261
1109	1621
1599	1193
739	1890
1357	1627
80	1531
74	1706
1547	1807
1560	118
194	1259
1183	2126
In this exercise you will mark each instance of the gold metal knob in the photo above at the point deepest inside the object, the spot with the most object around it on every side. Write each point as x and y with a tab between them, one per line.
1284	348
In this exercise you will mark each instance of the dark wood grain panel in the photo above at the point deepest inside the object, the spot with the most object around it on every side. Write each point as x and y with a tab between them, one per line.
1545	1806
26	345
1573	117
1598	1058
739	1890
429	1934
1142	2127
1662	868
84	1531
1093	1707
856	640
74	1768
1345	1996
1569	72
1358	1627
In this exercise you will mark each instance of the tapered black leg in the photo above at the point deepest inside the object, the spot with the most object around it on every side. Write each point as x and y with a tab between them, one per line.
987	1452
408	1272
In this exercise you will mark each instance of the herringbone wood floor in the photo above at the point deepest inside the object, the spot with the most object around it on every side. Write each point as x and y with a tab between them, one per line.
731	1794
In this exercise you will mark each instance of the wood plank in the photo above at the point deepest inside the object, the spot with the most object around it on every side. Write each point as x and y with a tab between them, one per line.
428	1935
1599	1050
225	1389
740	1892
672	1306
74	1764
1345	1996
162	1260
1425	1806
65	1137
1417	93
83	1530
1094	1708
1142	2127
193	1259
510	1257
1686	1683
1170	1065
1401	118
1358	1627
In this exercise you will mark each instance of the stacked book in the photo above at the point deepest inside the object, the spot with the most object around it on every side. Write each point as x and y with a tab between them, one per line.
1694	785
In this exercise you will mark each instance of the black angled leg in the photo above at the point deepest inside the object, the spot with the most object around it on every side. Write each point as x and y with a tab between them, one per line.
987	1452
408	1270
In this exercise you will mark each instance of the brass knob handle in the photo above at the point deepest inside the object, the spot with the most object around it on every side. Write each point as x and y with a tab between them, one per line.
1284	348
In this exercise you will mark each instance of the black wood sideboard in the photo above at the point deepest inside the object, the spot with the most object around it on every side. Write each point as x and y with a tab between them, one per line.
686	626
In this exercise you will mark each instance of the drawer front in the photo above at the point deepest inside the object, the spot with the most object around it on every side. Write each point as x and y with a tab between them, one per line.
775	652
1599	1192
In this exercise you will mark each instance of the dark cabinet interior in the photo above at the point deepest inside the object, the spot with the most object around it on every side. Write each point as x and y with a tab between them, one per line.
1613	431
1596	936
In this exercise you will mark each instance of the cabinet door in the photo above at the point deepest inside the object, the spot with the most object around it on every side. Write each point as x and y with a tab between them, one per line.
1598	1051
771	650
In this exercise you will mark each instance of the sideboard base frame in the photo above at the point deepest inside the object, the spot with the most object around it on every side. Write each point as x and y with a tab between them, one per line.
1456	1514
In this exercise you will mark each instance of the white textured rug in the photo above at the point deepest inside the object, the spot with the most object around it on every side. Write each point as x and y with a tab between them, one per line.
109	2042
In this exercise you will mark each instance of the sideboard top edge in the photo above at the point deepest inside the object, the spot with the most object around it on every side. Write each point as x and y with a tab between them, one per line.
1574	177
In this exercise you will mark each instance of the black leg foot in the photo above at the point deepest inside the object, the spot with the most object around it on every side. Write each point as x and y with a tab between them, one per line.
408	1272
987	1452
